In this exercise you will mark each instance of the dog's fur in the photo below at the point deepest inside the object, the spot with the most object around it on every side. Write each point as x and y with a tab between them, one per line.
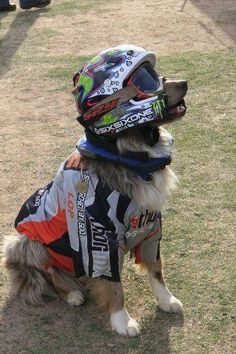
25	259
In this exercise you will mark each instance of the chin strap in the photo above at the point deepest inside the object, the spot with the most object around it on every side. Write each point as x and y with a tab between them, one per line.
136	162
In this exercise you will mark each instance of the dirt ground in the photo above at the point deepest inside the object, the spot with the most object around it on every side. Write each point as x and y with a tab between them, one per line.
28	150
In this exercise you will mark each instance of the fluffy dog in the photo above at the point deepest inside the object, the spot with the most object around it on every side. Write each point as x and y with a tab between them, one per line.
35	263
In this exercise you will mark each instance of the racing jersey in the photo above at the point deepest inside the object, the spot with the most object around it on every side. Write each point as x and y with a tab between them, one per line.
87	227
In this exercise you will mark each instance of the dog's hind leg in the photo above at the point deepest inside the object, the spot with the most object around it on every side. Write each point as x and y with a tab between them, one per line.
67	287
109	296
25	260
166	300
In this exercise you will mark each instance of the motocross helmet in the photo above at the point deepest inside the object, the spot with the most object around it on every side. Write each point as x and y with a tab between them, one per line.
119	89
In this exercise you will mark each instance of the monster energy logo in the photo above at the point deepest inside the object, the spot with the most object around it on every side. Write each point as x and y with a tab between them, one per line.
158	107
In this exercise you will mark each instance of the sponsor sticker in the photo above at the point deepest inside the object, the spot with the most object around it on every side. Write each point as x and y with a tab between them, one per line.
128	121
83	186
137	222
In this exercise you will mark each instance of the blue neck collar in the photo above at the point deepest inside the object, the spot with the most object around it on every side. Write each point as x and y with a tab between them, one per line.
143	168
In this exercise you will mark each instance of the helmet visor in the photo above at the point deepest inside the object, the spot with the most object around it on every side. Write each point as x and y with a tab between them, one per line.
146	80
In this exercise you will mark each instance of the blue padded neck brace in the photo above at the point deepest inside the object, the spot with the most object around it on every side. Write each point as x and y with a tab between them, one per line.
140	167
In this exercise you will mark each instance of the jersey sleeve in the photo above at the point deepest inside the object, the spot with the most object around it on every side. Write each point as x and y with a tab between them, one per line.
143	233
42	215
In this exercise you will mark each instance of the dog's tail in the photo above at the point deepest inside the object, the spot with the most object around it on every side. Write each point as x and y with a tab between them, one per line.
25	260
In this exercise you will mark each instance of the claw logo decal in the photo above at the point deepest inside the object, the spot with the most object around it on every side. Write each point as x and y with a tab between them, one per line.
101	109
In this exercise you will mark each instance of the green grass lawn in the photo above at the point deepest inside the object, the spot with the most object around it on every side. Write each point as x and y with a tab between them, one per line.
198	230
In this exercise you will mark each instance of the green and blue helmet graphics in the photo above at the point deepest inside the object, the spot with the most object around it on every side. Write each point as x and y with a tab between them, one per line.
103	78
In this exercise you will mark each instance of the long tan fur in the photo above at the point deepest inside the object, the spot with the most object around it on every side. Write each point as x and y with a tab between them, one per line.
24	260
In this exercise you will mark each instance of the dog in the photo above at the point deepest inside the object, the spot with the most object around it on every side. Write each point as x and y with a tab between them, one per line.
37	266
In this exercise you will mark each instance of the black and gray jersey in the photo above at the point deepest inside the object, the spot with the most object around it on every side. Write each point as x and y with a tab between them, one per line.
97	226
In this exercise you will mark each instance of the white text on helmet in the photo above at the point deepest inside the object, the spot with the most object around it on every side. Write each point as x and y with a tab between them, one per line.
125	123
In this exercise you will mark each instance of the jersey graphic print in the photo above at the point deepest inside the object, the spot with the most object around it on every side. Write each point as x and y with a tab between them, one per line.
86	227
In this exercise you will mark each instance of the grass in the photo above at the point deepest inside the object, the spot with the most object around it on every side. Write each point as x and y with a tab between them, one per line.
226	17
69	7
198	235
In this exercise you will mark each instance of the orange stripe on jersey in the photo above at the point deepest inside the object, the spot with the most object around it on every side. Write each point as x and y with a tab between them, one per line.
45	231
63	262
74	161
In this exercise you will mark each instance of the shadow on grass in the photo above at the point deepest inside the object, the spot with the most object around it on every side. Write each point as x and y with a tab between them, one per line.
15	36
157	332
223	13
60	328
51	328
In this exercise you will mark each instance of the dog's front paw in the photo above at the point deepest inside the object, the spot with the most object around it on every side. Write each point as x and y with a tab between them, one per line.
75	298
171	304
123	324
